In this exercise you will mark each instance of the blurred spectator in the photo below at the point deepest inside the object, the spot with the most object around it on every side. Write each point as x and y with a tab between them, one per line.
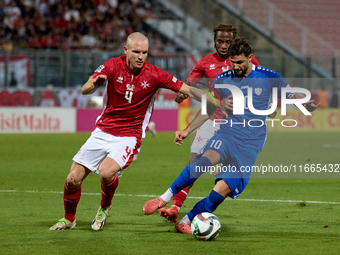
13	11
89	40
169	48
42	7
7	45
84	23
103	7
113	3
73	42
13	82
334	100
71	13
322	97
2	12
158	43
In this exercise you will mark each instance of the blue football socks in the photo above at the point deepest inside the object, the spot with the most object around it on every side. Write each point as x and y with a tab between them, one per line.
208	204
189	175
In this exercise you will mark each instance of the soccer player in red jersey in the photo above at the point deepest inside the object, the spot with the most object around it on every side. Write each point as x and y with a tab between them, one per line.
131	83
209	67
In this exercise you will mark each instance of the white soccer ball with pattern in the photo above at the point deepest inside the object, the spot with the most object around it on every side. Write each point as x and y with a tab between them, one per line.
205	226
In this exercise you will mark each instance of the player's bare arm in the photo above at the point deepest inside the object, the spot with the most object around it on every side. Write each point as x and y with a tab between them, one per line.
199	118
93	83
194	124
310	105
196	94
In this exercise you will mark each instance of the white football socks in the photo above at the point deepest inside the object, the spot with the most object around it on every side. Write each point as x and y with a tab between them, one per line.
167	196
185	219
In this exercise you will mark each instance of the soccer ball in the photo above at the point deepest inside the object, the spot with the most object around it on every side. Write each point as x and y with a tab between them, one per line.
205	226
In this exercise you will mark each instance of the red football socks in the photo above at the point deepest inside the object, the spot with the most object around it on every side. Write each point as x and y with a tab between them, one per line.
108	190
71	199
179	198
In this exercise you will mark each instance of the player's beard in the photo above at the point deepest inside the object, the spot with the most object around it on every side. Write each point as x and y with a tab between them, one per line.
241	73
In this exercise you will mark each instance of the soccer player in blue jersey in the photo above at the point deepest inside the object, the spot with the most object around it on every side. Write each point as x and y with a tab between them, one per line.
239	140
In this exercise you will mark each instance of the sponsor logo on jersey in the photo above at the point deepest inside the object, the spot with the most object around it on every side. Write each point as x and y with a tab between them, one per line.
174	79
120	79
145	84
244	87
100	68
212	67
258	91
130	87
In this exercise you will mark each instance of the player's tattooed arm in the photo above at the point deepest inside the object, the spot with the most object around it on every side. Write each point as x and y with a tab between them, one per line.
93	83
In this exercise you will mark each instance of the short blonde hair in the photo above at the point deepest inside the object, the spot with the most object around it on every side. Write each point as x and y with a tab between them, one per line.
135	36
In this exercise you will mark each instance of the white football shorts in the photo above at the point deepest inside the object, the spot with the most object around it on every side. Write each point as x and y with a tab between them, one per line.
203	135
101	145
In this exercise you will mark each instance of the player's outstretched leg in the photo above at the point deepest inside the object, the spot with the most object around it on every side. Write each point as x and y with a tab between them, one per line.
72	193
108	190
154	204
71	199
171	214
186	178
208	204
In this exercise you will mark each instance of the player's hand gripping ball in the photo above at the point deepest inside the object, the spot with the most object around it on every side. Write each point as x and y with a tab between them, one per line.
205	226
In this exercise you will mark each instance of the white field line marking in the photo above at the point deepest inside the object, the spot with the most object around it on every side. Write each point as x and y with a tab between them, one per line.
150	196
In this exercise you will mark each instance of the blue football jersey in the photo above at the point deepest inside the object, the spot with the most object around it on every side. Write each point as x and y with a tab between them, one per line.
250	129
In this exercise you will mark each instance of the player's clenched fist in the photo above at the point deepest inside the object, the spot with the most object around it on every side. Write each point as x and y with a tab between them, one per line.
99	80
180	97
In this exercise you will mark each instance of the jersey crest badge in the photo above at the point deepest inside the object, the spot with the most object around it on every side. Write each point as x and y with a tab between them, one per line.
225	68
258	91
130	87
145	84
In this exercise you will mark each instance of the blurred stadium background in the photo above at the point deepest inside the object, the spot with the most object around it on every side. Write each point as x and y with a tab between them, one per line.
50	47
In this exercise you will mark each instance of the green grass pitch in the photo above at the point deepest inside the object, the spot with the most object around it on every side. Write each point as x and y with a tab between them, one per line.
272	215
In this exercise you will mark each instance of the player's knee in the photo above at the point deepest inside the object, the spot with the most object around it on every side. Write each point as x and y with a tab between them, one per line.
76	175
72	181
106	174
108	169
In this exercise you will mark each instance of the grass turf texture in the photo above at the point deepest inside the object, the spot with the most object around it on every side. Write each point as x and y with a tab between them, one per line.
40	162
